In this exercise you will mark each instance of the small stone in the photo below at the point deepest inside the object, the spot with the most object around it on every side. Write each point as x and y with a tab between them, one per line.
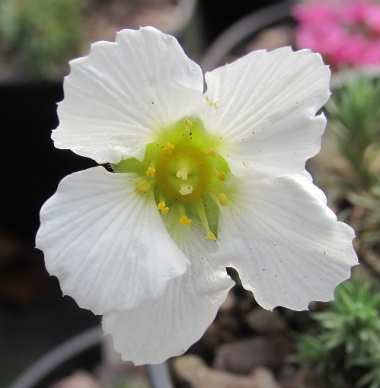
243	356
193	370
265	322
264	378
80	379
291	377
228	304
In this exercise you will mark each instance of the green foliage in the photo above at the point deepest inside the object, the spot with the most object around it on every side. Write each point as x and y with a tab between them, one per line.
40	34
354	118
347	337
370	228
354	131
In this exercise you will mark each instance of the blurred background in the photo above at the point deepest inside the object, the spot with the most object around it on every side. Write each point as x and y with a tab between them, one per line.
45	337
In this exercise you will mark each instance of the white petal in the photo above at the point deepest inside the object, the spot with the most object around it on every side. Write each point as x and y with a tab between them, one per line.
106	242
266	106
285	242
123	93
165	328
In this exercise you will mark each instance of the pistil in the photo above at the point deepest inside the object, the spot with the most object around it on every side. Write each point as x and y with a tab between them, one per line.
182	173
186	189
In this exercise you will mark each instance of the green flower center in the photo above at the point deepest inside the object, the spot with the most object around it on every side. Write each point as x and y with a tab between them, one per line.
185	172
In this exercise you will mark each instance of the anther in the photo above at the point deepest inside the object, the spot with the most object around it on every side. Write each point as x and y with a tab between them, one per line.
168	148
223	199
150	172
222	176
211	152
187	123
143	186
162	206
186	189
210	236
185	221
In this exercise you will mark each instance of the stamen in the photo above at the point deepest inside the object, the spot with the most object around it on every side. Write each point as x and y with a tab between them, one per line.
185	221
168	148
186	189
182	173
211	237
211	152
187	123
199	207
150	172
162	206
181	208
223	199
143	186
222	176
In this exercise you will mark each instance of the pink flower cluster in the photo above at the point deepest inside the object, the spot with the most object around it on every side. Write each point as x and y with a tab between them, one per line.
345	32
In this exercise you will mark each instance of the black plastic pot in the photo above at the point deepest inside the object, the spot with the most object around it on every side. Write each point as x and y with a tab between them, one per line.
245	29
80	352
32	167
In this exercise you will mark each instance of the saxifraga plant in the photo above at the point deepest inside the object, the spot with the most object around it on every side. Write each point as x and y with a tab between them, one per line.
40	35
345	347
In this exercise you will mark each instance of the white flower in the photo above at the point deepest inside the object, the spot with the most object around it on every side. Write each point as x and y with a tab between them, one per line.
204	180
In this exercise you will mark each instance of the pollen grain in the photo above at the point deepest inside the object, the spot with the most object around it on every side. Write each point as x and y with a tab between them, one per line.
223	199
143	186
168	148
211	237
211	152
187	123
185	221
162	206
150	172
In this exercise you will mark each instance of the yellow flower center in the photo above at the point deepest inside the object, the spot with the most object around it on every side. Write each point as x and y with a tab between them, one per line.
186	173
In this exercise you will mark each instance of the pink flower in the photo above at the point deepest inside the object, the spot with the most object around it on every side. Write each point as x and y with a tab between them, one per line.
355	12
347	33
372	55
373	19
318	12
